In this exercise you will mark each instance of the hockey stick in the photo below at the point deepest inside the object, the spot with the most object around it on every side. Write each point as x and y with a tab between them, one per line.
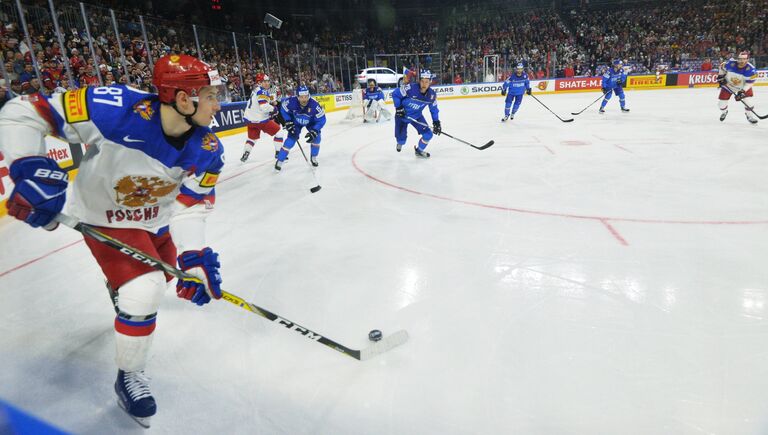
311	168
369	352
751	109
550	110
590	105
486	146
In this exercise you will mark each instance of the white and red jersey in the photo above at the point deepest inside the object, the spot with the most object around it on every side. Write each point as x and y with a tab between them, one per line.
739	79
260	106
132	175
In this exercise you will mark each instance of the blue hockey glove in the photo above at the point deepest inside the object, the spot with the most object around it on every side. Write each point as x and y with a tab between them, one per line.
436	128
528	91
400	112
503	92
289	127
40	190
205	266
311	136
739	96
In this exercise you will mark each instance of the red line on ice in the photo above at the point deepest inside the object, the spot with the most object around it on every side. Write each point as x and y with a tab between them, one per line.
550	213
622	148
614	232
34	260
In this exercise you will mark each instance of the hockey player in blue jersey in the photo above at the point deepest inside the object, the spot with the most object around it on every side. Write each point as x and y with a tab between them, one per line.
614	81
147	179
373	103
301	111
410	100
514	87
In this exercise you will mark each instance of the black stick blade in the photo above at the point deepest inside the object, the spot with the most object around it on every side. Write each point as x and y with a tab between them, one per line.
486	146
315	189
568	120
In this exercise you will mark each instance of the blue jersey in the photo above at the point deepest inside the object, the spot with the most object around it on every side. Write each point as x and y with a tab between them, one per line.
375	94
612	78
410	97
311	116
516	84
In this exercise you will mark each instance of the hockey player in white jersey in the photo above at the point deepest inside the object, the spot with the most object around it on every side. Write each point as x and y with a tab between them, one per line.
147	179
736	77
373	103
259	114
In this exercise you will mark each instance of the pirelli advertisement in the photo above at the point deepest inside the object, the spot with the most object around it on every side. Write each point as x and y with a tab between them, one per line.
648	81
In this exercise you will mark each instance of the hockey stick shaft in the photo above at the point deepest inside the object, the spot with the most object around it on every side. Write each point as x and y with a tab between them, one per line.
387	343
311	168
550	110
751	109
482	147
590	105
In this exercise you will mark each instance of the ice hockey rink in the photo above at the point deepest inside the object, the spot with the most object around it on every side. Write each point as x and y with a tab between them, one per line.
605	276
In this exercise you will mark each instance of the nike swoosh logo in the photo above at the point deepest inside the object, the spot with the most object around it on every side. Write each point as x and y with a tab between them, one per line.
127	138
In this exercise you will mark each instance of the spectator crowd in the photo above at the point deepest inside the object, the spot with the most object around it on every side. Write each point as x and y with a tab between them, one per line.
472	44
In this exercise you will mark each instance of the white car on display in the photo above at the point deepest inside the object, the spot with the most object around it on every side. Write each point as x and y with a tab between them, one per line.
384	77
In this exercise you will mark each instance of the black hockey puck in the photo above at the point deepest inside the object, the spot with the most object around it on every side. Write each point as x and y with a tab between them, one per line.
374	335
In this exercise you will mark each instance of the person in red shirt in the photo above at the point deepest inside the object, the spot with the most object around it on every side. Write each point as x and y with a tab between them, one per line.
457	80
89	78
76	62
706	65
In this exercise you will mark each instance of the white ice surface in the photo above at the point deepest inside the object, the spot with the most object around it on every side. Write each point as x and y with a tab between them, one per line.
606	276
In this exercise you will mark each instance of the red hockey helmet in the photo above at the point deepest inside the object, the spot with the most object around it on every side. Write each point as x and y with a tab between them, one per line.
180	72
260	77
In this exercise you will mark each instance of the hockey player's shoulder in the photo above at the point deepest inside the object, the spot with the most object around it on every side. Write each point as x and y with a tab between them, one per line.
206	149
109	107
314	106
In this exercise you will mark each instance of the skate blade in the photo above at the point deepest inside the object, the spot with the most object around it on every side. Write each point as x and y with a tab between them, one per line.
143	421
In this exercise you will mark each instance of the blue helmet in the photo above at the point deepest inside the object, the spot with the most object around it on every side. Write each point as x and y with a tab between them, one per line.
618	62
425	74
520	66
302	90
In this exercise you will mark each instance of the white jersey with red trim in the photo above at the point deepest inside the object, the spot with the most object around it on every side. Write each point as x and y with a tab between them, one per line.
260	106
739	79
132	175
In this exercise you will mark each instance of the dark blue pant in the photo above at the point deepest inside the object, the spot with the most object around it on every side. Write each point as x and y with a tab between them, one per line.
508	103
619	93
291	141
401	130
